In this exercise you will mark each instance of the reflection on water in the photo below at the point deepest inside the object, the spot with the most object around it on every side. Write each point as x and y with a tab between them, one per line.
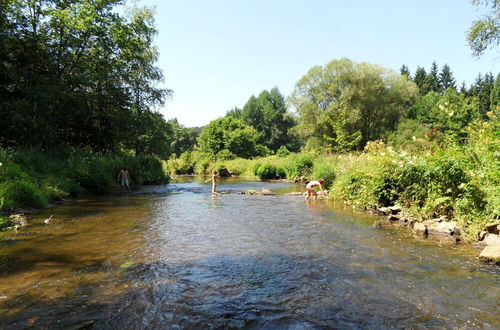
175	256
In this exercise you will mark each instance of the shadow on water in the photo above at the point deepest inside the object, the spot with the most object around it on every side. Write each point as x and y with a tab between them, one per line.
173	257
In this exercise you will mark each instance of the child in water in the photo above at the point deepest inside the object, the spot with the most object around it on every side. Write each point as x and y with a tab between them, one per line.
213	179
310	188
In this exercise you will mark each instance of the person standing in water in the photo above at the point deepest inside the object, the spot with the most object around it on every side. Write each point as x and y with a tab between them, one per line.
213	179
310	188
124	179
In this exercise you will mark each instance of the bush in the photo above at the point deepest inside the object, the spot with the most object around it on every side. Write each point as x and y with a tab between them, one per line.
282	151
300	165
21	194
267	172
326	172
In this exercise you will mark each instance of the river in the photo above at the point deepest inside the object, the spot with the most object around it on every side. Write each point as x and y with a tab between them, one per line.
175	257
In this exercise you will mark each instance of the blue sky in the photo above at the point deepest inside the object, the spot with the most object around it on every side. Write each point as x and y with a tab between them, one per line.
216	53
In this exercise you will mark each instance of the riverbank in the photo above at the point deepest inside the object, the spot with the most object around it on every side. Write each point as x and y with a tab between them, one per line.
34	178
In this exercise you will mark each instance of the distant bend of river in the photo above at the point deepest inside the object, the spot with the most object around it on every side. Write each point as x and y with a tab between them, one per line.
175	257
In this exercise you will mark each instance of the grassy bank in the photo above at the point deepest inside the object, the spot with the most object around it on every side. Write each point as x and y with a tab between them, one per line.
31	178
429	176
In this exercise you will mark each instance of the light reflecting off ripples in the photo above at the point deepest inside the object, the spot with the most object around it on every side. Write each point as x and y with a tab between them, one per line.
175	256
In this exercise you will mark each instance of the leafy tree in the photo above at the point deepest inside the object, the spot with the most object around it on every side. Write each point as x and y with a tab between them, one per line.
451	111
268	114
78	73
446	79
345	104
182	139
229	135
485	33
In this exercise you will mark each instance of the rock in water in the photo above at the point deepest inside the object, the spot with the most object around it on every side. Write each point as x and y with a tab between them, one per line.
267	192
491	253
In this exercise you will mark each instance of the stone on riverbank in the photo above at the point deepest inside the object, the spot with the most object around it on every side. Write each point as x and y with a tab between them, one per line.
437	227
19	219
491	253
492	239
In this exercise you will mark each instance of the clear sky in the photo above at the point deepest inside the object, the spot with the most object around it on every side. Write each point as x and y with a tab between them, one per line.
216	53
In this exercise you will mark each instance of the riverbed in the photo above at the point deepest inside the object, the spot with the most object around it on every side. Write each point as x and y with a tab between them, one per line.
174	256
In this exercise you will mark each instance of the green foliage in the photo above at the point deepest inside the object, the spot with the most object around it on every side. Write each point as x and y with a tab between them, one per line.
6	222
485	33
407	135
269	115
326	172
299	165
32	178
22	194
228	136
346	104
282	151
266	172
81	74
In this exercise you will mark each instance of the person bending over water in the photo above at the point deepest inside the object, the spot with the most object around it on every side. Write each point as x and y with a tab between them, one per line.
213	179
310	188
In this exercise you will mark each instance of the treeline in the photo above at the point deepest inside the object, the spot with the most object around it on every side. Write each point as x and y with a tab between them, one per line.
340	107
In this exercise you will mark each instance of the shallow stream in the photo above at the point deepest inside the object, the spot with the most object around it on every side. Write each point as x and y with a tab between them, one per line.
175	257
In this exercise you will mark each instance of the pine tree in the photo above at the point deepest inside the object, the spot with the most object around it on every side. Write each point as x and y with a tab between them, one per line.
463	89
446	79
485	92
405	71
433	79
420	79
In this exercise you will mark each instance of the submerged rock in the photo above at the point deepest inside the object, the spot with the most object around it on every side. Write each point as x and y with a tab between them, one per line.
491	253
266	192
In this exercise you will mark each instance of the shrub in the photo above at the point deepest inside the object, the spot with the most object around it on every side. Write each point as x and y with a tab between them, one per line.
267	172
282	151
326	172
299	166
21	193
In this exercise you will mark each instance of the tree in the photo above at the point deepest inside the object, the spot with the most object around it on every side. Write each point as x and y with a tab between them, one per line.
405	71
485	33
345	104
182	139
420	79
433	79
268	114
229	135
78	73
446	79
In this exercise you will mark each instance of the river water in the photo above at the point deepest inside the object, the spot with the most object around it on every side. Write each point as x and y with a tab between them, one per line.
175	257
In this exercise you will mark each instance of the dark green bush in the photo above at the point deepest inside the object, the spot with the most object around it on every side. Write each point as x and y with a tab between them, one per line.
21	194
267	172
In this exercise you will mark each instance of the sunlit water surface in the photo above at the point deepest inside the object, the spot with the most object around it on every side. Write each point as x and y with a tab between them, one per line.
174	256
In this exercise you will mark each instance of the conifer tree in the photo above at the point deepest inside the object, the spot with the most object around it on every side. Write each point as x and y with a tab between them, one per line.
446	79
